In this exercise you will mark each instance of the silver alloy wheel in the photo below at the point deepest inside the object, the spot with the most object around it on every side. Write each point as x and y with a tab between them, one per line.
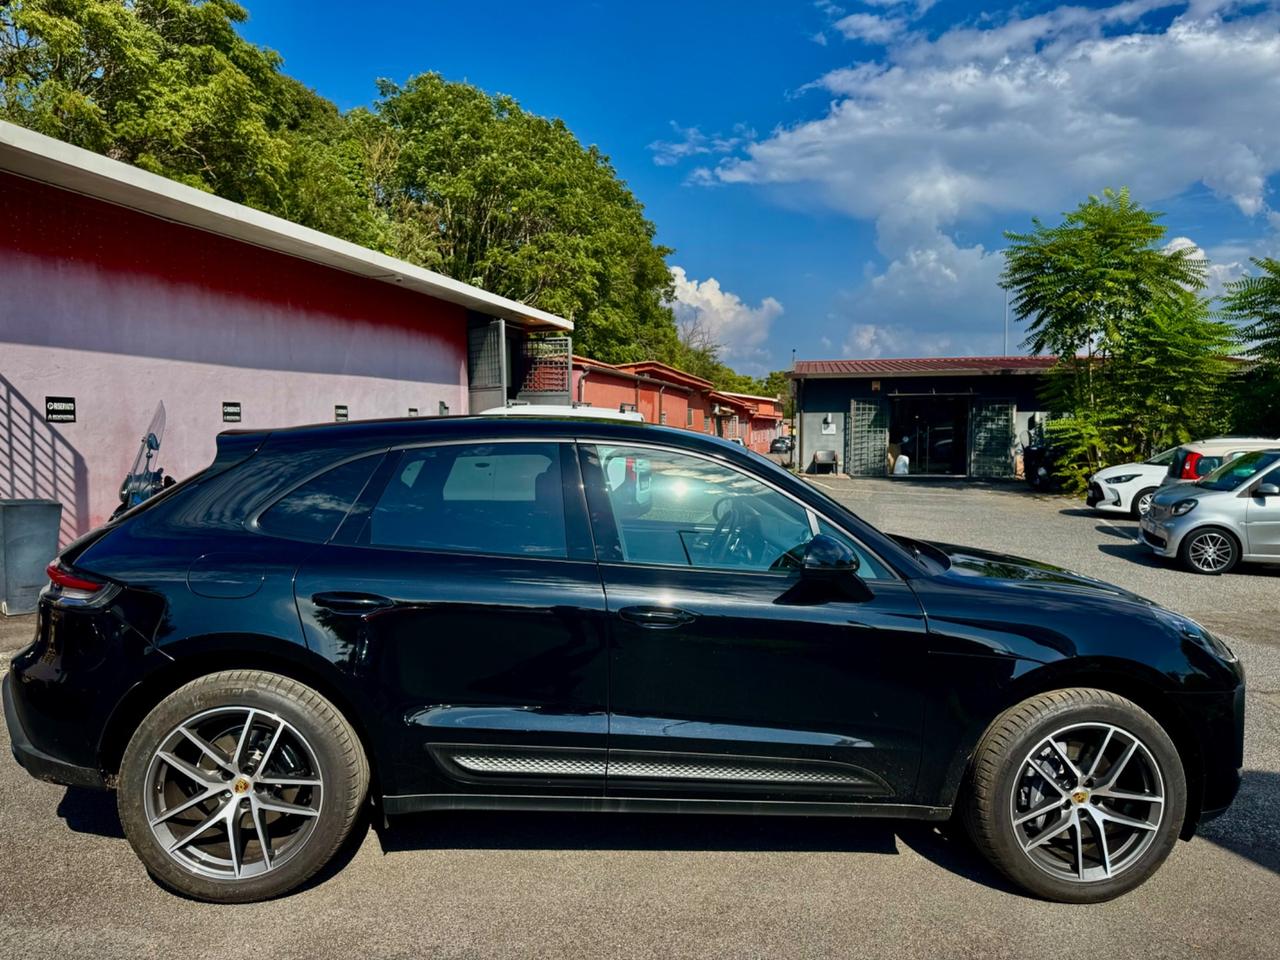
1210	551
1144	504
1087	802
233	792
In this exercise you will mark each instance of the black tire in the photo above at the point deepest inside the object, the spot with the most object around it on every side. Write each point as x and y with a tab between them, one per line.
1136	513
1223	540
326	737
998	770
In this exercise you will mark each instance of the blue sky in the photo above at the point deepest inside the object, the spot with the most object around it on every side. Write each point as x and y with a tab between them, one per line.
835	177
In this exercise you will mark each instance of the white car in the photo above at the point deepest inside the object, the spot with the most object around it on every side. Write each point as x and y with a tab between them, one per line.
562	410
1128	487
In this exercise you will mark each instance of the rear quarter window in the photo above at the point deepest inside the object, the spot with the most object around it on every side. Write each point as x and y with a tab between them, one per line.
313	510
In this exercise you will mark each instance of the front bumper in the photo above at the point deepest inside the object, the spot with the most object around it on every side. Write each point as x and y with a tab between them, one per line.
1104	496
36	762
1161	536
1218	722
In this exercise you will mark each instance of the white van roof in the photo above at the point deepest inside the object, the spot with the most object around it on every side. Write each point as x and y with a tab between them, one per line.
563	410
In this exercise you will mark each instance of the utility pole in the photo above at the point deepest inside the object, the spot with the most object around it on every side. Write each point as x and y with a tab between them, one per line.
1006	321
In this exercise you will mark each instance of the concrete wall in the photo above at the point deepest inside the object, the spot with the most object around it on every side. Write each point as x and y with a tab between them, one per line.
121	311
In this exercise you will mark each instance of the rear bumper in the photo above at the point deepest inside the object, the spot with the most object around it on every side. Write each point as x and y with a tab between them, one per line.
36	762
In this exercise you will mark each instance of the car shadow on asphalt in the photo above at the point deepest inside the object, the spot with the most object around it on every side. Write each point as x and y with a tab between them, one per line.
91	811
1133	551
458	830
1248	828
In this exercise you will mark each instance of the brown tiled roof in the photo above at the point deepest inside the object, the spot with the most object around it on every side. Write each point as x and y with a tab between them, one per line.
902	367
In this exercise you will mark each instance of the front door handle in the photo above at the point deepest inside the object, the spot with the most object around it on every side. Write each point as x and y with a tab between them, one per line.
356	603
660	618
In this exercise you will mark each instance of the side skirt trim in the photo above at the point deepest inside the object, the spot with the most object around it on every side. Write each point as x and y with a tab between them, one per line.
426	802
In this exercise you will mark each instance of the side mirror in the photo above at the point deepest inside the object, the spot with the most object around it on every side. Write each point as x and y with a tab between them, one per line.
825	557
1267	490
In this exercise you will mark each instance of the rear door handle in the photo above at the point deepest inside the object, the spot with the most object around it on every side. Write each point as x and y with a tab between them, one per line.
660	618
357	603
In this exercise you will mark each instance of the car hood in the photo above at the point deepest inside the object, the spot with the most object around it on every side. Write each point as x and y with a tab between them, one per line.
1023	573
1120	469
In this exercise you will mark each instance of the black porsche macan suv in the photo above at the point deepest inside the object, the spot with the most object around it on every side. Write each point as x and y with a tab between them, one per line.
584	615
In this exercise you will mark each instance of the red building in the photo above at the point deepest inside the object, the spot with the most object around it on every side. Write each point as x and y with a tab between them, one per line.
664	394
122	290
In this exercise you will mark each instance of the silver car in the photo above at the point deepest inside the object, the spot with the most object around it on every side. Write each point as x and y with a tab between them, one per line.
1232	514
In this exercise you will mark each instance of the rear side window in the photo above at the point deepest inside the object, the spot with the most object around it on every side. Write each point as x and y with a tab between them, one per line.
313	511
501	498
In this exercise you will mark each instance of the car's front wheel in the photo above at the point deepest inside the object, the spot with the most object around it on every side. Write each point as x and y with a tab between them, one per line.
1142	502
240	786
1077	795
1210	551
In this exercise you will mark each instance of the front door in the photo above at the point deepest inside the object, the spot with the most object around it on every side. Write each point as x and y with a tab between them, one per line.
729	679
462	594
1262	520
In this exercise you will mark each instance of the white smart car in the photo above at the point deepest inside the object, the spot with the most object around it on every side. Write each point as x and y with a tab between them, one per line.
1128	487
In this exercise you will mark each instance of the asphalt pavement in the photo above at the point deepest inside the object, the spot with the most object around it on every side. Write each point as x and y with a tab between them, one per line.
559	885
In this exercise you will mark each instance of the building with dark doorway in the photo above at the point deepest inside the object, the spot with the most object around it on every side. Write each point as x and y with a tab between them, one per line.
949	416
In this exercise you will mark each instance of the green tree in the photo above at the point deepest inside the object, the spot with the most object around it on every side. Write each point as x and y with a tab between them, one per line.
167	85
1254	303
488	193
1101	293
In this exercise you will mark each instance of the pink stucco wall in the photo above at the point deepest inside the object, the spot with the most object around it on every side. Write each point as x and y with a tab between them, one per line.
122	311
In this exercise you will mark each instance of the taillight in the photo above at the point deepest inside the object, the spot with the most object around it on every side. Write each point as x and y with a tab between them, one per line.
72	586
1189	466
630	475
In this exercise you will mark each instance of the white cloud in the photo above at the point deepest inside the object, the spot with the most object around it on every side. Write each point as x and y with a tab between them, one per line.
1225	264
870	27
1003	119
692	142
740	329
933	298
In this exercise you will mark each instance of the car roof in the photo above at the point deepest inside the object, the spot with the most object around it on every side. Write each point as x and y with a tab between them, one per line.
1227	444
407	430
563	411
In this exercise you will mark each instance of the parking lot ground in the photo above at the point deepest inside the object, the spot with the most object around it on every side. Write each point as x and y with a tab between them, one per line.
552	885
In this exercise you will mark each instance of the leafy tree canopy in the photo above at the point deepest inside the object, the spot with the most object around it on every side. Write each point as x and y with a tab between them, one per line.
440	174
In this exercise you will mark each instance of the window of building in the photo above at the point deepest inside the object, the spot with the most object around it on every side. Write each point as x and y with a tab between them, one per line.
688	419
313	511
502	498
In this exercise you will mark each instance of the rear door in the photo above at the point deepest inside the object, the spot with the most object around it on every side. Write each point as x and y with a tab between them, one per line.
463	596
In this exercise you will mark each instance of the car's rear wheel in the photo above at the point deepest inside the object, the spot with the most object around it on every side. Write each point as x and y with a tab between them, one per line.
1209	551
241	785
1077	795
1142	502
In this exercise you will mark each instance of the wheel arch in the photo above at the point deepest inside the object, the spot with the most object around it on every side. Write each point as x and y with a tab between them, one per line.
1141	685
201	656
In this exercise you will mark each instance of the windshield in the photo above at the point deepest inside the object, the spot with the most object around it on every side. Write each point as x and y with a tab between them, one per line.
1163	459
1235	472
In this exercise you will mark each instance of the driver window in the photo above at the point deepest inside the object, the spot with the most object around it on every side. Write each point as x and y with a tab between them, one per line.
679	510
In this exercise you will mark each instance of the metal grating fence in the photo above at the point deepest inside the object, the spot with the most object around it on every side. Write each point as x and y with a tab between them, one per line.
548	370
484	356
991	439
866	439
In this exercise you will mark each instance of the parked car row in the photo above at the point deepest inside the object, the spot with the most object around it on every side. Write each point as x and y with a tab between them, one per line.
1209	504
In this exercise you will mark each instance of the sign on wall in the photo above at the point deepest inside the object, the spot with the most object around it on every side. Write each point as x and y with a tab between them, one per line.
340	412
413	411
59	409
230	411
